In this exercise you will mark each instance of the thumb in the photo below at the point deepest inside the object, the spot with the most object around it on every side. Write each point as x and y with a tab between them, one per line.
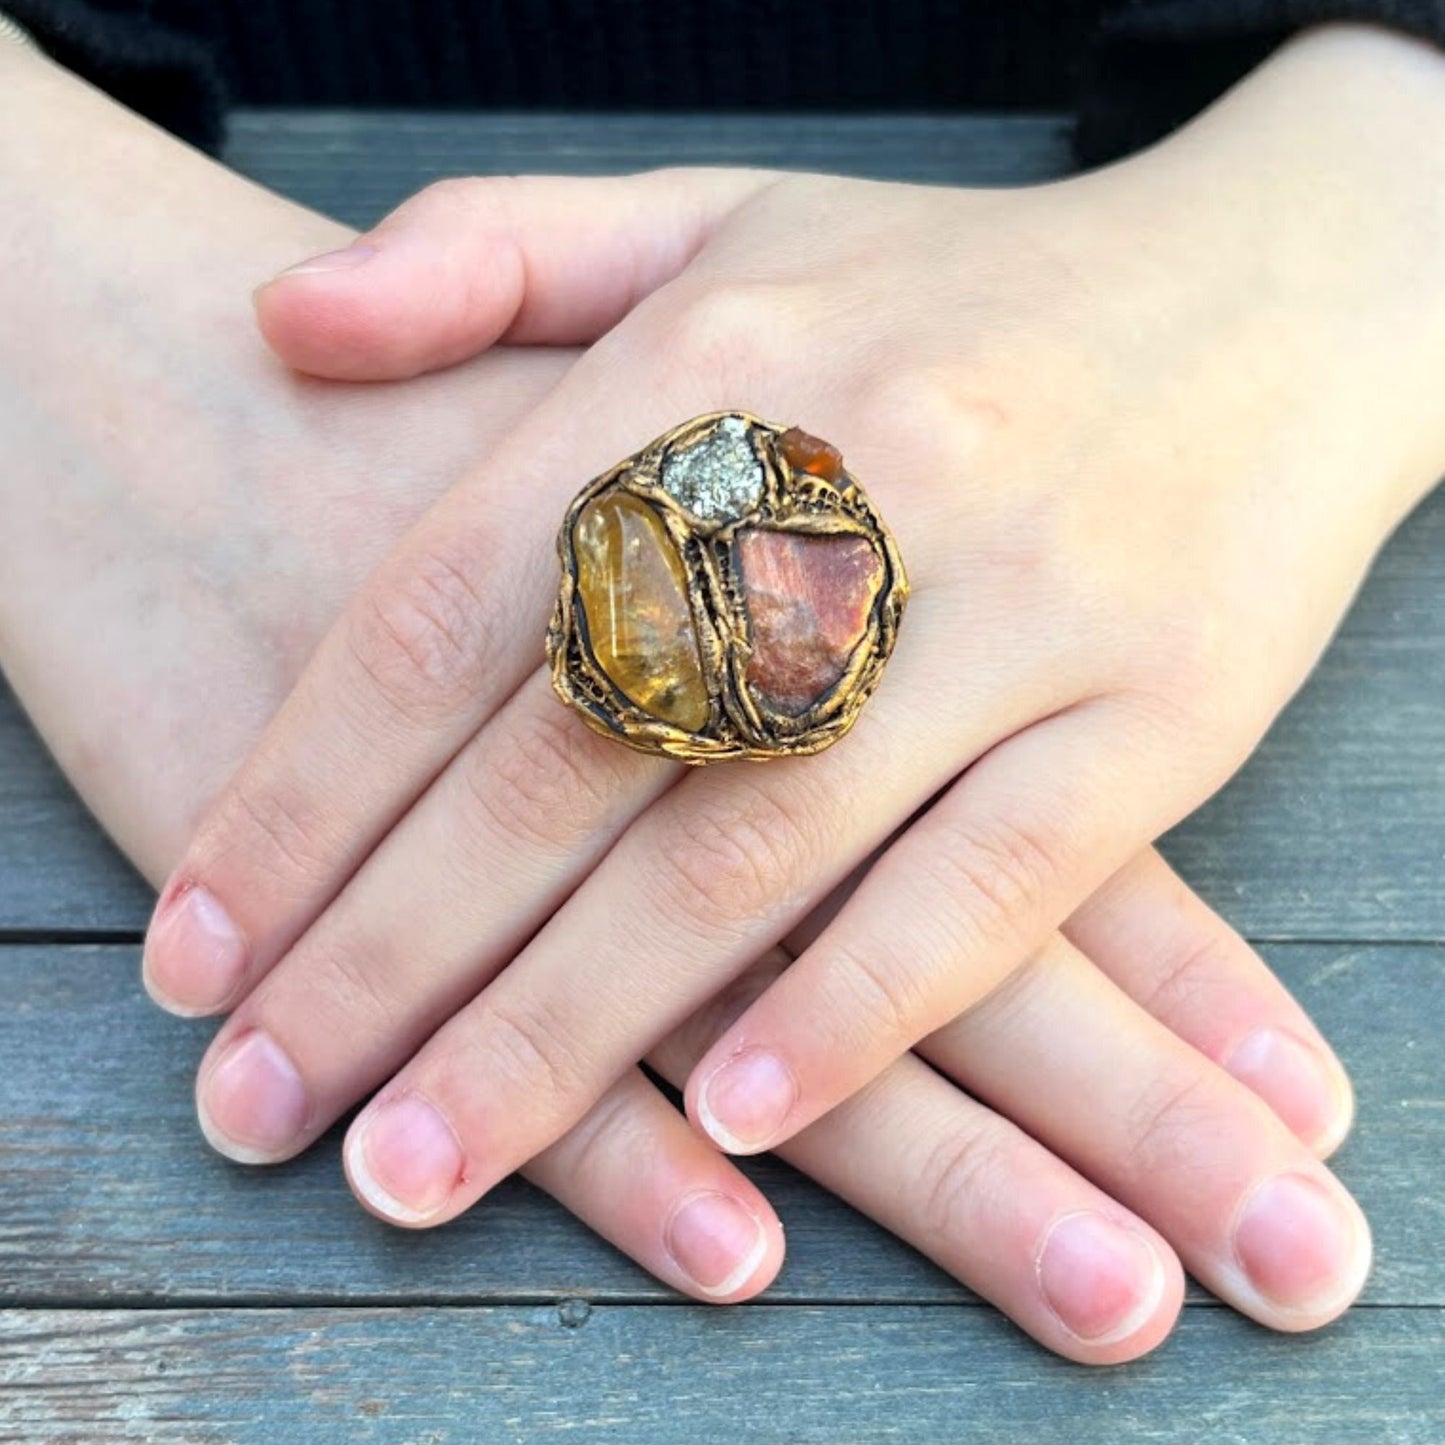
470	262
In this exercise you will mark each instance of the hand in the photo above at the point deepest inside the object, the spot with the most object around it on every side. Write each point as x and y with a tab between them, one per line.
152	632
1032	657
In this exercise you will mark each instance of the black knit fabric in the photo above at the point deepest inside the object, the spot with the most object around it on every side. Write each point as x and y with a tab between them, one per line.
1154	63
1131	71
635	54
171	75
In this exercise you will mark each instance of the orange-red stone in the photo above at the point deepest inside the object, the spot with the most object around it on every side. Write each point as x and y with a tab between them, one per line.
808	600
633	590
811	454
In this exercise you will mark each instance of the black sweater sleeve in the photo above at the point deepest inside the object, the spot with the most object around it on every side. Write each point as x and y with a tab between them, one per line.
1134	69
167	74
1155	63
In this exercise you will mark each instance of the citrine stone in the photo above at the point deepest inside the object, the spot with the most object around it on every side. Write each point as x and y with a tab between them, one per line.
808	599
633	591
811	454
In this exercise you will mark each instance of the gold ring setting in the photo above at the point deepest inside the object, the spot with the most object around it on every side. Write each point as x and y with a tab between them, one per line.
727	592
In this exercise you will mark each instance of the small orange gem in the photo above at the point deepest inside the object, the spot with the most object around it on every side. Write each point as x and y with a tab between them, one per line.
811	454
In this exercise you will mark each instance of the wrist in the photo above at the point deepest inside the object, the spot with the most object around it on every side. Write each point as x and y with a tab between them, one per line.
1312	197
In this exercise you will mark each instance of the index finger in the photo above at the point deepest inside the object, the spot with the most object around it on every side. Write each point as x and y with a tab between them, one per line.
437	639
451	623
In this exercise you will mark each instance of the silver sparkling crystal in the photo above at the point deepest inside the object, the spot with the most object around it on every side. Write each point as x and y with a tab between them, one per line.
719	476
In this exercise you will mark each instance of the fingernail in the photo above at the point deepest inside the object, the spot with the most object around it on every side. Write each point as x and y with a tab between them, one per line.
194	955
746	1101
717	1243
1102	1280
344	260
404	1159
1296	1081
252	1103
1300	1245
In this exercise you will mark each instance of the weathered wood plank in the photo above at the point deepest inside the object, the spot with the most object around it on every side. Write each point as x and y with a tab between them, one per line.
358	165
107	1192
653	1376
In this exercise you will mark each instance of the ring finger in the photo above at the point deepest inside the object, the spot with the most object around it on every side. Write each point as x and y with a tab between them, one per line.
1176	957
634	1171
1081	1273
1252	1213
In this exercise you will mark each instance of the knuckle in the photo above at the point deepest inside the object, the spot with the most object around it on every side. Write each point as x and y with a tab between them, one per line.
945	427
921	404
275	829
1192	653
1189	659
877	995
1180	729
935	413
954	1177
424	637
525	1042
730	861
998	873
542	783
353	975
453	193
1168	1123
730	330
1191	974
613	1132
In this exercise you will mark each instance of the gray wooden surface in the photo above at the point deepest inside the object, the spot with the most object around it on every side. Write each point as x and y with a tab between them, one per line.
646	1375
150	1291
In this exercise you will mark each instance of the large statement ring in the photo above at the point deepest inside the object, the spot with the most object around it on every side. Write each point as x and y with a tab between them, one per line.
727	592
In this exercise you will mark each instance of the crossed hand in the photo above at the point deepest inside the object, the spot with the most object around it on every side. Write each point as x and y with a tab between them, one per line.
938	966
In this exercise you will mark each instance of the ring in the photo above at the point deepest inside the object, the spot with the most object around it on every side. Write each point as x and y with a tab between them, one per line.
727	592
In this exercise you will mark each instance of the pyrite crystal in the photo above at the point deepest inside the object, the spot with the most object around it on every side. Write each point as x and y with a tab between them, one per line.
727	592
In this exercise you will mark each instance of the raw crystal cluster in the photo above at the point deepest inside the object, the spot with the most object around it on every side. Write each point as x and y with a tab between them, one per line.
719	476
727	592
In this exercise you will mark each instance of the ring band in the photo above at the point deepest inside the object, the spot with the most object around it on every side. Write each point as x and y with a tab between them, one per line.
727	592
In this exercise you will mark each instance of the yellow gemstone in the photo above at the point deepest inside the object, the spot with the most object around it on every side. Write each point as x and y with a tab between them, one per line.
633	591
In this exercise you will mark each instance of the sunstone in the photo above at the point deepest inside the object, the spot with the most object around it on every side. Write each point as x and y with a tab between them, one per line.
809	599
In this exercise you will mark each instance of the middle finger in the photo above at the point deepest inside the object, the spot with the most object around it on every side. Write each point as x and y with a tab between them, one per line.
493	848
697	888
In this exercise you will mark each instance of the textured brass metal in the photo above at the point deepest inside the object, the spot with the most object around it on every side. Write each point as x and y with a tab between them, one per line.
708	462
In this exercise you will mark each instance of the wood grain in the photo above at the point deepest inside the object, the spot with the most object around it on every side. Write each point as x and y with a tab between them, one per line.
652	1376
357	166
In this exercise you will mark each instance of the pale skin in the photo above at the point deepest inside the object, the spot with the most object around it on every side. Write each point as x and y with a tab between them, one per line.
1100	1051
